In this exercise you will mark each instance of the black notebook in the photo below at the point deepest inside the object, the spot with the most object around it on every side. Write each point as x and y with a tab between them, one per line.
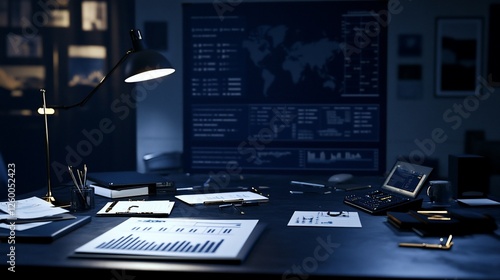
442	222
399	190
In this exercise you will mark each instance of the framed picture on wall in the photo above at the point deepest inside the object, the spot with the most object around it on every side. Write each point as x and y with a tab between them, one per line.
458	55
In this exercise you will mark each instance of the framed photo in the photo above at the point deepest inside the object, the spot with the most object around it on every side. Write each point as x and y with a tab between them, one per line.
458	55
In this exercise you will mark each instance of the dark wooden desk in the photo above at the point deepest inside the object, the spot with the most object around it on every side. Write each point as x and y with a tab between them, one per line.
281	252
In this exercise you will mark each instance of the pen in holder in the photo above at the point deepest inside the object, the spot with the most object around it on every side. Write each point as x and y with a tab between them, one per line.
82	199
82	196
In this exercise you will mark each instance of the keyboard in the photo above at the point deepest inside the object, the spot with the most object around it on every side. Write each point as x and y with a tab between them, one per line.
376	201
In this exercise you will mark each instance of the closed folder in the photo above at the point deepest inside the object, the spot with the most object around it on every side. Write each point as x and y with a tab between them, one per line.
60	217
455	221
48	232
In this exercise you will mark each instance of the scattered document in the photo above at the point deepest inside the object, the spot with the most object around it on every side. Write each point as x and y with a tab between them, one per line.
137	208
325	219
30	208
222	198
177	238
478	201
29	213
21	227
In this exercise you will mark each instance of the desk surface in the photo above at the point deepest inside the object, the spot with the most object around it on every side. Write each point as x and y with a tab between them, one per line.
281	252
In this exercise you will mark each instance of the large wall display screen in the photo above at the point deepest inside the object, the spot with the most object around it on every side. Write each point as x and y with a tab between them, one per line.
278	87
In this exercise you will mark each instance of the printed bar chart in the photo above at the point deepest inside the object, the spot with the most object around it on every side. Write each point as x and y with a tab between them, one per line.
172	237
132	242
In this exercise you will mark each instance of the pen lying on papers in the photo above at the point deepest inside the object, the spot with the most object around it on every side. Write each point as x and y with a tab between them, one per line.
240	200
242	203
111	206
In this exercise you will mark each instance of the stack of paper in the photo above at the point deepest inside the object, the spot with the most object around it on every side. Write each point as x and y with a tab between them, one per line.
30	212
36	220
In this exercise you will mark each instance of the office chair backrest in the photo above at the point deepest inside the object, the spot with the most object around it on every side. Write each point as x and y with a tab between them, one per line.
163	163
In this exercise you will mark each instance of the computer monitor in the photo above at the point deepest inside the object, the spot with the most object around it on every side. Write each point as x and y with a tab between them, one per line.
280	87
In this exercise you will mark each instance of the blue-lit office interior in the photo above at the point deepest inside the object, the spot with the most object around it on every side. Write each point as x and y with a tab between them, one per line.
263	93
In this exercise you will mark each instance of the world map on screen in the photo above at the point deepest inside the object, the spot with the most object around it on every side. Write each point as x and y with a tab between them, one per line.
304	61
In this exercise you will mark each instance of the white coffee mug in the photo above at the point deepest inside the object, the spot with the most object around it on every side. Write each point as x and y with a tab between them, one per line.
439	192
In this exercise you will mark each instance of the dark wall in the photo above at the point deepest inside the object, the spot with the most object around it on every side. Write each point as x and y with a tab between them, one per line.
101	134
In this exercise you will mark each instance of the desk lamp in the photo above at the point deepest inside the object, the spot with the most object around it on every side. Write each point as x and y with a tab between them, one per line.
142	65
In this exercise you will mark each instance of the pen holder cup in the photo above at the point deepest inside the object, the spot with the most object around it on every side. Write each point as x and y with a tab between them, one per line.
82	199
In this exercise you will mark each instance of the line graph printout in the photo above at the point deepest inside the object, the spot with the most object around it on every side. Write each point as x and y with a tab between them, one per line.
174	238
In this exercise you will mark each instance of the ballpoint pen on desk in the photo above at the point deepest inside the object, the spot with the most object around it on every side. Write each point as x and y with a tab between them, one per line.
308	184
441	245
236	205
309	187
351	187
189	188
303	192
233	206
238	200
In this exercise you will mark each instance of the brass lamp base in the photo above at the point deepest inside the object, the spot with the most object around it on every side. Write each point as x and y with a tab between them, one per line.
49	199
52	200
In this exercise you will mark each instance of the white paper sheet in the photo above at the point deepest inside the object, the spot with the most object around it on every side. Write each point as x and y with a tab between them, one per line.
174	238
146	207
324	219
479	201
29	208
222	197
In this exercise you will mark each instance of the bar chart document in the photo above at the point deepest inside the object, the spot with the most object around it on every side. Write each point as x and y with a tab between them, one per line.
175	238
